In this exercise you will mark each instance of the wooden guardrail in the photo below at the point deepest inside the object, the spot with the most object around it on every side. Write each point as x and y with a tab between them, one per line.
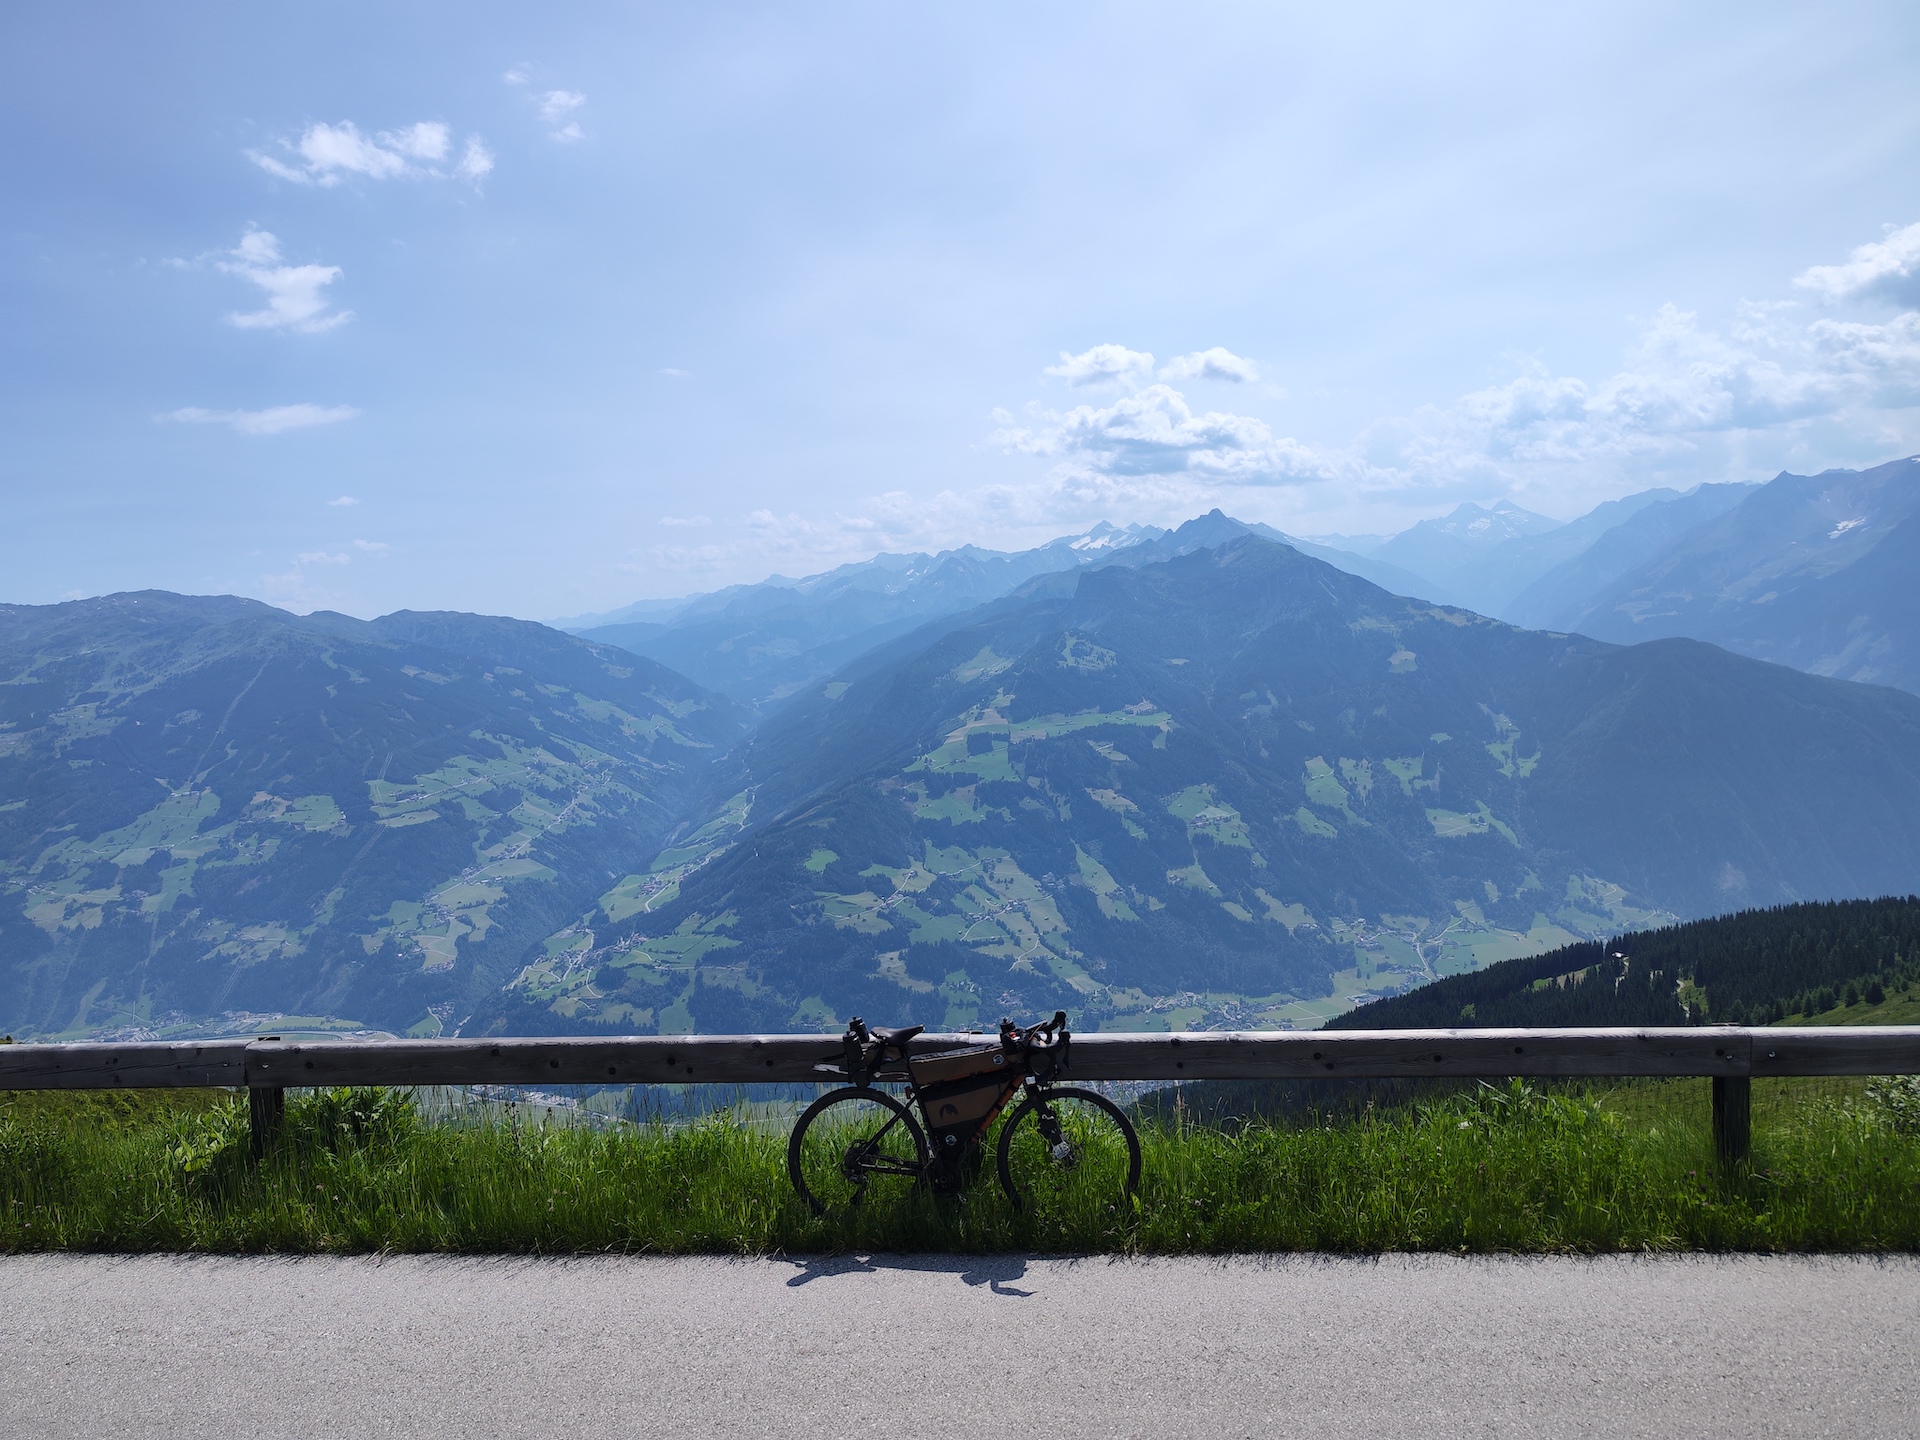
269	1067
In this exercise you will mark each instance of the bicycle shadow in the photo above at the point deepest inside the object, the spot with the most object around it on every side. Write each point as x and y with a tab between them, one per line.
996	1272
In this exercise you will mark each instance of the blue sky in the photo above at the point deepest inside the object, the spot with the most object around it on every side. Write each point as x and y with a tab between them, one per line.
539	310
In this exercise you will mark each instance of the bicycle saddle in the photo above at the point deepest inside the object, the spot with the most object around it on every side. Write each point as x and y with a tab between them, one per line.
898	1036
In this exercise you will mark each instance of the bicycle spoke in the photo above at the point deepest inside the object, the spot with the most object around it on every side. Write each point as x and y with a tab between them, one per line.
1067	1151
854	1144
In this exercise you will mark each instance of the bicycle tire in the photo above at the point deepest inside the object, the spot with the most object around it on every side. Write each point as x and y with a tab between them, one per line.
1102	1169
834	1159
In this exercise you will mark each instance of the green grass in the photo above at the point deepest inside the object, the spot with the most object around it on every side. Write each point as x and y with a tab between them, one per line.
1625	1168
1900	1007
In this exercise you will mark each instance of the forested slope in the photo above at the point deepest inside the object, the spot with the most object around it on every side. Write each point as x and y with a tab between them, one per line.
1755	967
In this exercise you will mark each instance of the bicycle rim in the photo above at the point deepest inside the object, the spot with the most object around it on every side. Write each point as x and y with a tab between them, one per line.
1067	1151
853	1145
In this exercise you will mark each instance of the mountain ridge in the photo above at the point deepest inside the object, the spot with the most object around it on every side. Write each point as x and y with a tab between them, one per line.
1787	550
1205	789
761	643
218	806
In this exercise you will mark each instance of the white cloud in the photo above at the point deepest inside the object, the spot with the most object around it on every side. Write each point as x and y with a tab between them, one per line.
1143	440
294	301
325	154
676	372
1888	268
426	140
792	544
311	581
274	420
476	161
555	107
1214	364
1687	395
1775	385
372	547
1104	365
344	500
1774	388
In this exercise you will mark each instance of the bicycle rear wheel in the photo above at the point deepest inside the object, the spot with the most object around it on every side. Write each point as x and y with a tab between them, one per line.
1066	1149
854	1142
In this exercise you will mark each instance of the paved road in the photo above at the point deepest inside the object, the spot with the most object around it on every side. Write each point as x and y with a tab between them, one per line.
933	1347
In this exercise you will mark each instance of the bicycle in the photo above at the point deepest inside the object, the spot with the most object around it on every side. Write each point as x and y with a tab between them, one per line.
1063	1146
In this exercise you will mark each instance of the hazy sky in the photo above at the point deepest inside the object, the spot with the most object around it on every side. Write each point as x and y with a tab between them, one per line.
541	309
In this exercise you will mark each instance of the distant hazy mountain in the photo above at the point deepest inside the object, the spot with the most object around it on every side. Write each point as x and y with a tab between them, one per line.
1819	572
639	610
886	573
1455	550
208	805
761	643
1361	545
1225	786
1383	573
1493	579
1554	597
1532	571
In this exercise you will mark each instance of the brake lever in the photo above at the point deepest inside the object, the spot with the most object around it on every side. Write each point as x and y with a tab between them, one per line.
854	1046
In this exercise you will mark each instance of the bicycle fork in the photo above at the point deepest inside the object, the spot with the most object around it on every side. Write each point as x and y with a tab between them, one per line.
1058	1145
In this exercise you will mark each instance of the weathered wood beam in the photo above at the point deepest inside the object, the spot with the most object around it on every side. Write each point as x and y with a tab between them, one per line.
1836	1050
1718	1051
1410	1054
1209	1055
142	1065
635	1060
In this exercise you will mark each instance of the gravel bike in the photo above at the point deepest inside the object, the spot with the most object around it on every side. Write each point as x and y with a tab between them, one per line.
1062	1147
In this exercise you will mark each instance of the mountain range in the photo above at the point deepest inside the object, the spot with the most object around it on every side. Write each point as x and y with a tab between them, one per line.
1816	572
1237	785
1821	572
1213	775
761	643
214	807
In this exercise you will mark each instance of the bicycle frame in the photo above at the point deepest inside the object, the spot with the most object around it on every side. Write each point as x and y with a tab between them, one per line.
960	1093
1039	1053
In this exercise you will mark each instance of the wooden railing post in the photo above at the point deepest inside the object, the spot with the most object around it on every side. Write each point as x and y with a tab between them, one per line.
266	1113
1732	1120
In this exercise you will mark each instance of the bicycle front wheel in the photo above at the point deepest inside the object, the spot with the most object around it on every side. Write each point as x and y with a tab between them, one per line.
1066	1149
854	1142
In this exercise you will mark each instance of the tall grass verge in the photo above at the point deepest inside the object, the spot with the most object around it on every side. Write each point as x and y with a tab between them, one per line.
1514	1168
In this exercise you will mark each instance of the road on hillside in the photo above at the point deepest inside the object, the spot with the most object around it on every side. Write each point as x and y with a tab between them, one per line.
937	1346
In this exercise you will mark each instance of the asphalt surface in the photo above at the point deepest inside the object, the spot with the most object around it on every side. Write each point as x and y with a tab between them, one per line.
939	1346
